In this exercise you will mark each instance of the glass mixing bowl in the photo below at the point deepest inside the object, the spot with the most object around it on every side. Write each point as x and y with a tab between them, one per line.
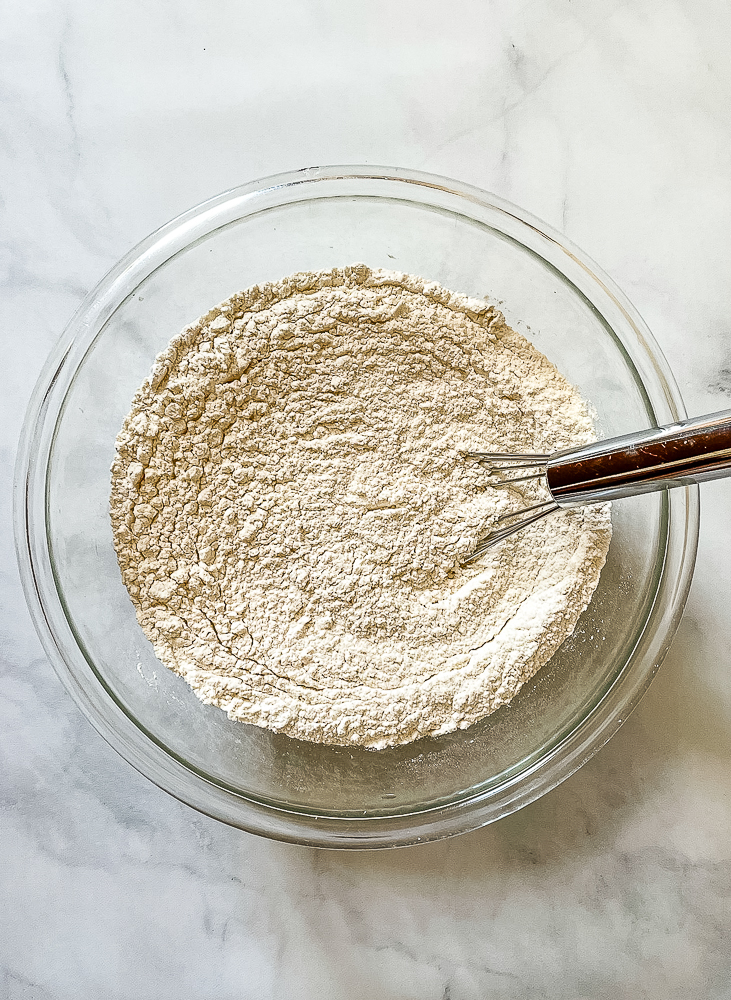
270	784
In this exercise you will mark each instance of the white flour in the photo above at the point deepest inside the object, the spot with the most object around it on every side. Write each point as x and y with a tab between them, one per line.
291	508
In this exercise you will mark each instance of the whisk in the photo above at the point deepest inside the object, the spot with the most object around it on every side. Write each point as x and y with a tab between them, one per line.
679	454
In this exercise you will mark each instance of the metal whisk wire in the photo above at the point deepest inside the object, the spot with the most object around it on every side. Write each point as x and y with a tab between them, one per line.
500	534
526	516
509	463
679	454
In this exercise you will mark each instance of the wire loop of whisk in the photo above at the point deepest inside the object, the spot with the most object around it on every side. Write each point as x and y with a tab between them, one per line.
526	510
534	514
658	458
515	479
510	463
499	462
531	458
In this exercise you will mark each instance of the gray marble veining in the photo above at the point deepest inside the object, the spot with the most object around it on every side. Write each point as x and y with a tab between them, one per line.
609	120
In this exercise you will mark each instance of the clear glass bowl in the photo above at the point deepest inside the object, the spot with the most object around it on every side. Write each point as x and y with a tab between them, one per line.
269	784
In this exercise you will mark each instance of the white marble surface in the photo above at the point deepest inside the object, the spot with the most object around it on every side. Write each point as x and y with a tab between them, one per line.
612	121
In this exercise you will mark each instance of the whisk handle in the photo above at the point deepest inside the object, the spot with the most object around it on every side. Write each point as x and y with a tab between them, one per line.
689	451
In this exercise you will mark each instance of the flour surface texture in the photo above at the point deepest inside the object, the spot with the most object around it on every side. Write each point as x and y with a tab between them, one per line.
291	508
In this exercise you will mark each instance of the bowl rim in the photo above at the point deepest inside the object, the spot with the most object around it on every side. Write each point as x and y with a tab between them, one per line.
162	767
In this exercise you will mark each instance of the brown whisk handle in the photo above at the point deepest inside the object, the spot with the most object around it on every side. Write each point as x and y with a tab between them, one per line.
690	451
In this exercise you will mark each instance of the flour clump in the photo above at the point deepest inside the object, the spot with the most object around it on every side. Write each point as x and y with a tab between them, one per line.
291	508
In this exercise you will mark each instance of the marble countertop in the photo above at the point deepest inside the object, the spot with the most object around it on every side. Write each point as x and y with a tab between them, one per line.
610	120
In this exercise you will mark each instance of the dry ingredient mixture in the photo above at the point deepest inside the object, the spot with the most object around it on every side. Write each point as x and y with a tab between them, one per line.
291	508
